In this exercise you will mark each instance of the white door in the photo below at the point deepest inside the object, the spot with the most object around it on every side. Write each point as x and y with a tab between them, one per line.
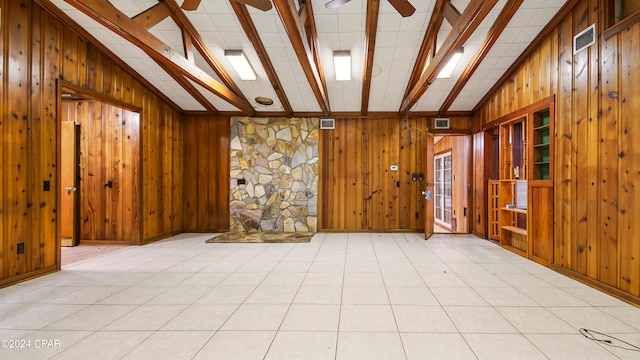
442	186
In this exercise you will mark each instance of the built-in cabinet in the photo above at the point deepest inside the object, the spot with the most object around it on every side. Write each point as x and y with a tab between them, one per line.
525	188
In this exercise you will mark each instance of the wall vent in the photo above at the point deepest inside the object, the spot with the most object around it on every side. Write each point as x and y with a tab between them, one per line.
441	123
584	39
327	123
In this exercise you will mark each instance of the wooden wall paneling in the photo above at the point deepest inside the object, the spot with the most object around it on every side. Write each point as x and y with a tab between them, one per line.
342	162
117	174
107	76
203	176
134	143
176	181
36	150
367	190
126	92
533	93
52	62
150	167
81	61
190	174
69	53
357	166
479	173
165	172
17	114
629	160
127	178
327	179
579	119
563	166
223	167
349	164
609	164
393	145
593	145
3	128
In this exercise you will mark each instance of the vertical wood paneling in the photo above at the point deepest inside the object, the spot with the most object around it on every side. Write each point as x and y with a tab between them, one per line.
629	160
3	235
359	189
37	50
563	165
608	182
592	147
579	119
596	159
17	115
206	173
36	147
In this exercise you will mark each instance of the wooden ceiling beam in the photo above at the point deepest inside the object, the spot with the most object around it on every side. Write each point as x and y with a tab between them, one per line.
187	44
496	30
308	21
152	16
451	14
428	47
108	15
471	18
295	30
190	5
252	33
373	9
185	24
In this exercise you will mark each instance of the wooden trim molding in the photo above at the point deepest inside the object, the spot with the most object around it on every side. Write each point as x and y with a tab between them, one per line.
622	25
615	292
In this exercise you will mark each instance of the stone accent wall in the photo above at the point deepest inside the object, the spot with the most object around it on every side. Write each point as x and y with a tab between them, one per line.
277	158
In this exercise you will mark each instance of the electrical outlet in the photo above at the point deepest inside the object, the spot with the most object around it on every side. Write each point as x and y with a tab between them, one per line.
20	248
46	185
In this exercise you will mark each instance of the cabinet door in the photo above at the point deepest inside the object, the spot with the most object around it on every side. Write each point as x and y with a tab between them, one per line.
541	222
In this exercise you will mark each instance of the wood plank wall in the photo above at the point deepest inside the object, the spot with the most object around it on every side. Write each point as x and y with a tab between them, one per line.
597	157
460	148
206	173
37	51
358	189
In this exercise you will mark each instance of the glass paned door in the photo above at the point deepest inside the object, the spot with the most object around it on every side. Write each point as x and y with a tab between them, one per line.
442	189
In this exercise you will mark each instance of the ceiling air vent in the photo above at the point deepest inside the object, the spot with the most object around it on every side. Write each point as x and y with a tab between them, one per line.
441	123
584	39
327	123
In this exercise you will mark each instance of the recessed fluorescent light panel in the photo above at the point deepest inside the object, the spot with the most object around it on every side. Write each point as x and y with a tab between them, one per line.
447	70
240	64
342	64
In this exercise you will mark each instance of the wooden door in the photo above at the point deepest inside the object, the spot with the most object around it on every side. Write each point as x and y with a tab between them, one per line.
69	195
429	187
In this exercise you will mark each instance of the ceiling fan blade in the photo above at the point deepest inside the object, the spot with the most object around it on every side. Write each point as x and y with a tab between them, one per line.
334	4
263	5
190	5
403	7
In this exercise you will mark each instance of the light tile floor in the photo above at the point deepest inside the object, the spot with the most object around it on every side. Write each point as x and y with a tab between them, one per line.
341	296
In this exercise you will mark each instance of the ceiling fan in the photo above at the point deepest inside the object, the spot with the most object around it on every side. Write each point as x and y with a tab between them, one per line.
403	7
264	5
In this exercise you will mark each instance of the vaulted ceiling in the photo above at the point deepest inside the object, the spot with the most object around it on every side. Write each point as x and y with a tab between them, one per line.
178	46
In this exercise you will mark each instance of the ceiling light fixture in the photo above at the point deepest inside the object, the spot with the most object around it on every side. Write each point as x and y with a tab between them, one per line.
447	70
342	64
240	64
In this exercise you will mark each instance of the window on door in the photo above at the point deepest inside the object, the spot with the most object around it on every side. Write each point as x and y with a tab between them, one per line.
442	189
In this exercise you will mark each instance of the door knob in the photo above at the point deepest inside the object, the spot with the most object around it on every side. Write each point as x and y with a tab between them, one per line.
69	189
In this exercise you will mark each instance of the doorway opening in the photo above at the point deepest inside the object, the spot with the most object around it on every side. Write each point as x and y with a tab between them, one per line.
99	188
451	179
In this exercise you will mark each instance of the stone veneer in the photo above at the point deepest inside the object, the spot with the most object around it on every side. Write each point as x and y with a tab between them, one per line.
278	160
